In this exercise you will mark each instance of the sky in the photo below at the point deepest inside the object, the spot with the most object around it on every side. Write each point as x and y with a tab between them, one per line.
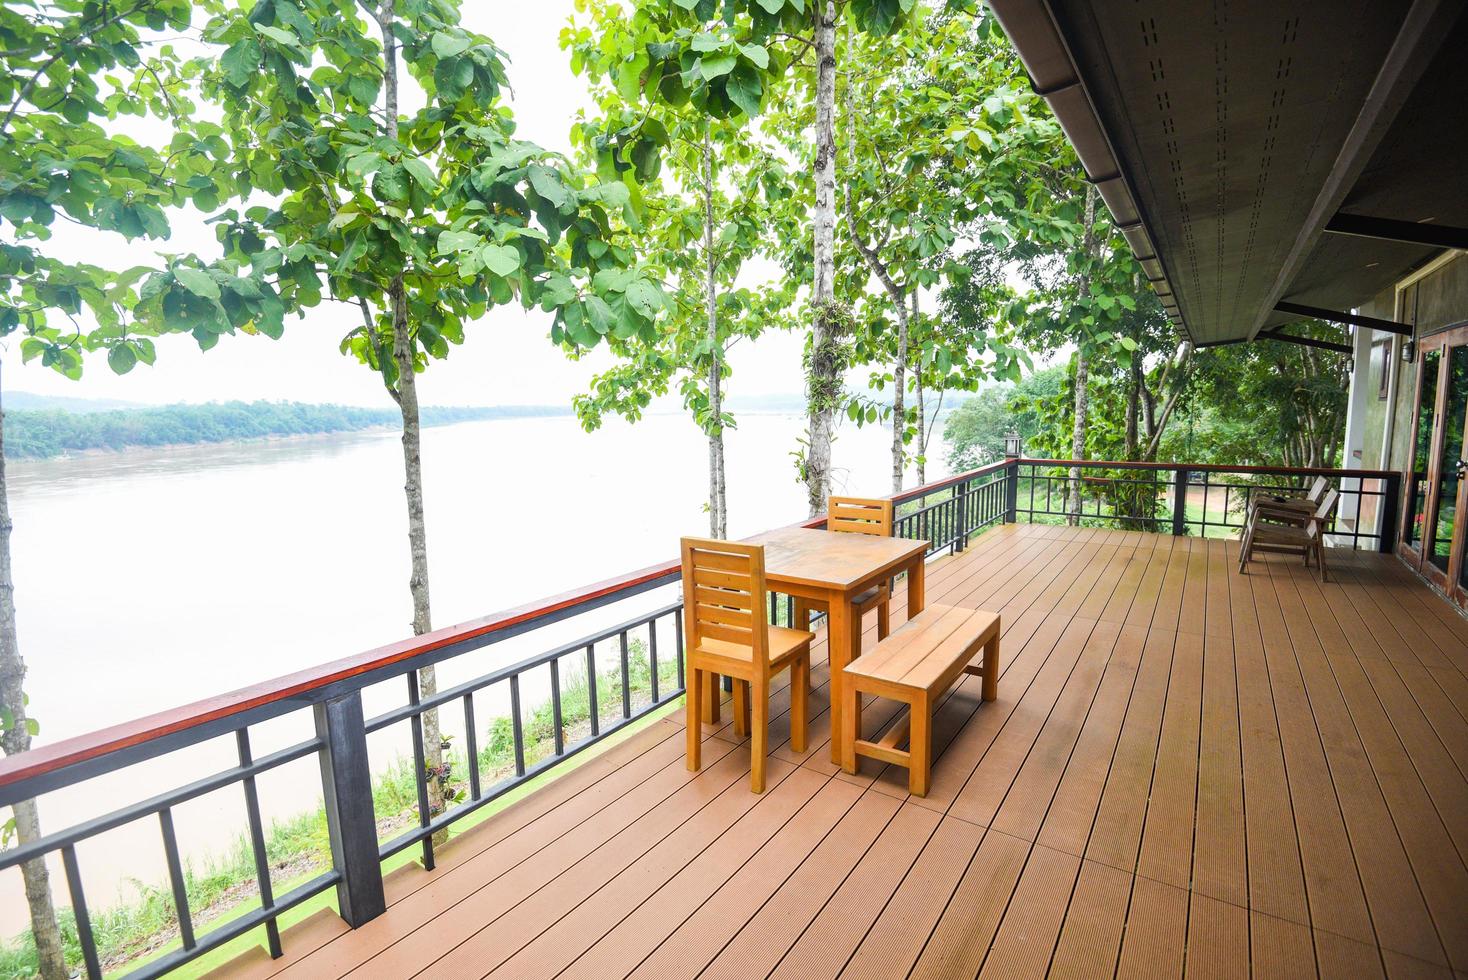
507	358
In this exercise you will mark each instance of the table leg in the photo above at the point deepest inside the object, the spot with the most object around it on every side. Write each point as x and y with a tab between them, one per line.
917	574
838	647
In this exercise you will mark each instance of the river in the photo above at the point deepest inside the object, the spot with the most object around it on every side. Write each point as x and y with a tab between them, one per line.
152	578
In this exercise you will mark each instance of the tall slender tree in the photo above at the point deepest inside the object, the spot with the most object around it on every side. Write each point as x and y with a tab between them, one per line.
418	222
67	75
706	199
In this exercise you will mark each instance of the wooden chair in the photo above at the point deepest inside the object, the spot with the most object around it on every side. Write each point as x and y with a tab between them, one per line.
727	632
1306	540
1289	510
856	515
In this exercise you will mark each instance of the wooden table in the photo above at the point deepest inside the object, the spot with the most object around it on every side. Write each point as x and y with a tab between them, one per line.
834	568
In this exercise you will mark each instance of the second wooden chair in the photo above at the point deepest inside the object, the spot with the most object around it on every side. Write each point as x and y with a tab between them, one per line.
727	633
856	515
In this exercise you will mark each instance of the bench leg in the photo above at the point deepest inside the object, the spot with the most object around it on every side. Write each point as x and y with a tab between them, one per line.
799	614
695	683
799	700
991	668
919	746
884	619
850	725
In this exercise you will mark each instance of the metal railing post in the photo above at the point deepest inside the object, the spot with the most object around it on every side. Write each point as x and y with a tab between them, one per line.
1387	529
1180	502
1011	492
961	539
346	784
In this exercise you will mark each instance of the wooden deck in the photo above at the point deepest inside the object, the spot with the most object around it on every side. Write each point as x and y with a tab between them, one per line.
1187	771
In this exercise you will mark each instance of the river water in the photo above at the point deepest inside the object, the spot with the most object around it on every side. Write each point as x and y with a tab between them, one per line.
153	578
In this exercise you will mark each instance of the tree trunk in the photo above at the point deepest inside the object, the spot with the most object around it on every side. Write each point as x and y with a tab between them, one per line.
407	396
718	500
823	386
17	738
921	461
1083	367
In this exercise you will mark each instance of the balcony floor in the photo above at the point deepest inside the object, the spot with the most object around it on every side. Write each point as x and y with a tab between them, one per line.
1187	770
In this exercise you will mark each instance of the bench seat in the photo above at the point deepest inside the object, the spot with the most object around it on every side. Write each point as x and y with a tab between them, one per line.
915	665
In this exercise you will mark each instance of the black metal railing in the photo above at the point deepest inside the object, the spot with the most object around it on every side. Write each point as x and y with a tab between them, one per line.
340	743
1200	499
947	513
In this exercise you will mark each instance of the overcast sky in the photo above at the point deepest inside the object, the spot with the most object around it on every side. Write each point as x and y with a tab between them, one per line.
507	358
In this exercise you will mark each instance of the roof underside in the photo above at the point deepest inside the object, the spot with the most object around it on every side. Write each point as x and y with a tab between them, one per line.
1224	137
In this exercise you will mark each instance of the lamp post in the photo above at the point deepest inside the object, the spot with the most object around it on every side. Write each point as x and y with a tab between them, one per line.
1013	445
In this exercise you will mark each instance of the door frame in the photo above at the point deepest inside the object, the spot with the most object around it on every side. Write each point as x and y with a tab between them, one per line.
1449	580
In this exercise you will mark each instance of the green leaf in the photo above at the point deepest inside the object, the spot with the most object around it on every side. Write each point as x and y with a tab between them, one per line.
502	260
547	184
757	55
457	241
745	89
447	45
645	297
421	172
278	35
240	62
717	66
121	359
197	281
772	6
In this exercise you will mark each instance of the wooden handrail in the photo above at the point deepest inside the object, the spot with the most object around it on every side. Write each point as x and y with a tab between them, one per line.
1217	468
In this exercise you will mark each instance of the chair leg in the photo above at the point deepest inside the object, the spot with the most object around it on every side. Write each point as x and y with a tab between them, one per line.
695	730
799	614
919	746
759	696
711	698
884	619
741	708
1246	546
1320	560
799	701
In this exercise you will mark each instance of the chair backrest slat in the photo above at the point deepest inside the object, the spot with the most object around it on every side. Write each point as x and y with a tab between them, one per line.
724	595
860	515
1317	489
1322	513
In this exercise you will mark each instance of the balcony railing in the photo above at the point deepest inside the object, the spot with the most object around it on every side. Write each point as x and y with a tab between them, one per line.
947	513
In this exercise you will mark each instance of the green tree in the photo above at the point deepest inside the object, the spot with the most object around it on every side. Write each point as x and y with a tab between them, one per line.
976	430
422	221
706	212
724	59
68	73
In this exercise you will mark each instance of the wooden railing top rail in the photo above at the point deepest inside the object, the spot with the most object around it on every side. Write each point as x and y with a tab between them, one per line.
1217	468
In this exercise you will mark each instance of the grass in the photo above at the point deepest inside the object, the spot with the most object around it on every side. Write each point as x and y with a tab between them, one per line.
223	886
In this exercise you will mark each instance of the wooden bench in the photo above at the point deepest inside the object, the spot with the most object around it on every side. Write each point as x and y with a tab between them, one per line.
916	664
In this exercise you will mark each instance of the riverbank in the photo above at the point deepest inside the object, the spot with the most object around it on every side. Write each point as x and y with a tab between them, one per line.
59	433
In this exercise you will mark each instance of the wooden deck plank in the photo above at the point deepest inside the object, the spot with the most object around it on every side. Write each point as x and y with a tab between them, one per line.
901	930
1218	940
824	948
1188	772
1156	927
1090	938
775	928
1032	922
707	928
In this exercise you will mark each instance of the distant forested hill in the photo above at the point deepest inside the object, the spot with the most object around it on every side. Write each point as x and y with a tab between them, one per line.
32	434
